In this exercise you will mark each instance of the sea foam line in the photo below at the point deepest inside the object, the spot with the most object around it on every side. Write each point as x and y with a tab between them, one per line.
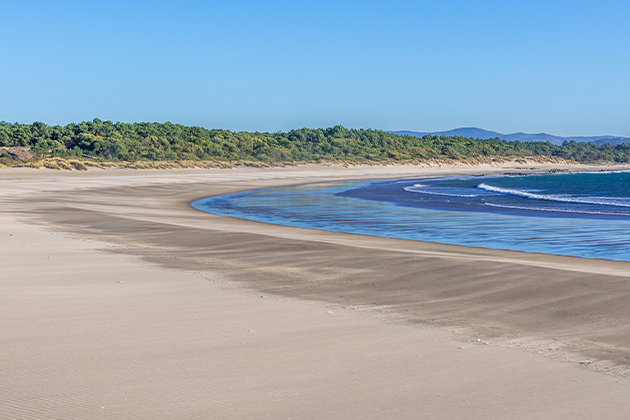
605	201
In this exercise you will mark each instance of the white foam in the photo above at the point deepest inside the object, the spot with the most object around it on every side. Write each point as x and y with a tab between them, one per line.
605	201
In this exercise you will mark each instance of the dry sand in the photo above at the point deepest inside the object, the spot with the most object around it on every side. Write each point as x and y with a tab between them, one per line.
118	300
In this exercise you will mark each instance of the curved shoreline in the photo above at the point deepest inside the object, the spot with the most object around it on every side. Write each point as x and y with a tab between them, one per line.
225	223
312	206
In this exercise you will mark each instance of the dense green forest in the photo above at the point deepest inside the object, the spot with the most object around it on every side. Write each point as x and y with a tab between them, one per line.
166	141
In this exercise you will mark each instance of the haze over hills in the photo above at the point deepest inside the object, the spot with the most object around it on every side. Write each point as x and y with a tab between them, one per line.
479	133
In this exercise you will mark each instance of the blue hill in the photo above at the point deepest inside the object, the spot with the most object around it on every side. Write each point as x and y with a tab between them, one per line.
479	133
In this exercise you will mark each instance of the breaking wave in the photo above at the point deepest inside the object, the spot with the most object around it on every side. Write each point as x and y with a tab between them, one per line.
602	201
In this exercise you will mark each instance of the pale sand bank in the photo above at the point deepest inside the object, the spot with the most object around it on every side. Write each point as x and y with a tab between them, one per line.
166	343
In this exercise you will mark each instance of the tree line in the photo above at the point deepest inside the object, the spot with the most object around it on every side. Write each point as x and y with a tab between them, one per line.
167	141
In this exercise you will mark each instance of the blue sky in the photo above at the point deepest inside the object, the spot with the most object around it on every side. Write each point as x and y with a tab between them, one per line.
560	67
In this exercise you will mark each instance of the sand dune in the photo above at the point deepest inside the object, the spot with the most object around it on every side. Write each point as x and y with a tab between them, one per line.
118	300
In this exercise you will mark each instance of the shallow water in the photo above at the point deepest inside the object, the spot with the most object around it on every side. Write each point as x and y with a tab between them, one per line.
583	214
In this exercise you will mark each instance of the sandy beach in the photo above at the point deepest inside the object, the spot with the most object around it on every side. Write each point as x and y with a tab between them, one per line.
118	300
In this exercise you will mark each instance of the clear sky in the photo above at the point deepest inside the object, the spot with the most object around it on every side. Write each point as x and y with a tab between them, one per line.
555	66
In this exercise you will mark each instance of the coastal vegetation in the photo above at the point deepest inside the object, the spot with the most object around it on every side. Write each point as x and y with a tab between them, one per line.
124	144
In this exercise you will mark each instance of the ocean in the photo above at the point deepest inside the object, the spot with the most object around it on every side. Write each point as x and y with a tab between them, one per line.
574	214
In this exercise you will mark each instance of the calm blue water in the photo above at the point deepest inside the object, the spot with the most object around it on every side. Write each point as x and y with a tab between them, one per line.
581	214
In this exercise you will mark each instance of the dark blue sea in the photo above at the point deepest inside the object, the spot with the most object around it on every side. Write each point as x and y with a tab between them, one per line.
576	214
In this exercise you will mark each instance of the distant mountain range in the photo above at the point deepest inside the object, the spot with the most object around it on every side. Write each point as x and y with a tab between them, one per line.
478	133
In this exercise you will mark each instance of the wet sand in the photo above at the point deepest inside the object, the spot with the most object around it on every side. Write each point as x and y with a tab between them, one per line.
118	300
